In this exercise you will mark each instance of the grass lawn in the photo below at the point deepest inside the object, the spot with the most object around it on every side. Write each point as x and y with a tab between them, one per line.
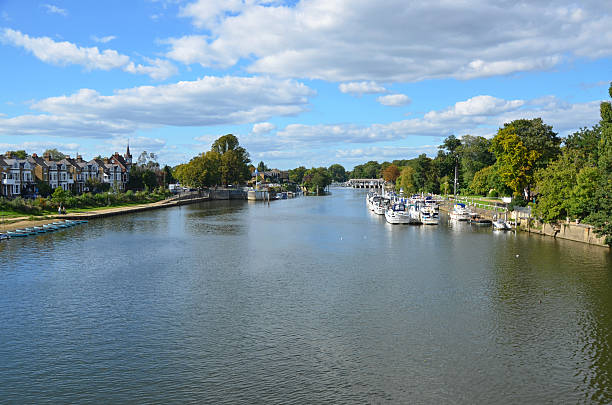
89	209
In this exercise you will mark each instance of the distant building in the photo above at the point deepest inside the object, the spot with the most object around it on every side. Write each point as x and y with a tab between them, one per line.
19	176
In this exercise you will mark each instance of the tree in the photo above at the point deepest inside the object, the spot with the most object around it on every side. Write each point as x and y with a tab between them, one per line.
515	162
405	181
201	171
168	176
450	158
60	195
261	167
539	137
554	185
337	173
148	160
391	173
424	177
316	179
601	216
474	155
369	170
296	175
487	179
234	159
54	154
586	142
18	154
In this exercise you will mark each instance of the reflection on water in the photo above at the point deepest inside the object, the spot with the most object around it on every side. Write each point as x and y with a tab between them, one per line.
307	300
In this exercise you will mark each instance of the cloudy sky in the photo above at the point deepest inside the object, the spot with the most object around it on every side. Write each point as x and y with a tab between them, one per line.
310	82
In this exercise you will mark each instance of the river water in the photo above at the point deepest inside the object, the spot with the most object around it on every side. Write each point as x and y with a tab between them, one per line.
310	300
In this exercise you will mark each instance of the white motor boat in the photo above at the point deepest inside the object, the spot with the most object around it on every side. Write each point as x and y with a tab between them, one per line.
415	214
501	225
398	214
460	212
381	206
429	215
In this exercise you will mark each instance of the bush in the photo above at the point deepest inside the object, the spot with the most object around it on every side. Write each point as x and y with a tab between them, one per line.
493	193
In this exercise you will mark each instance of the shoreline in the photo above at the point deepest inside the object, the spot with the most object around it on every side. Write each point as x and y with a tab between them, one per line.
581	233
26	222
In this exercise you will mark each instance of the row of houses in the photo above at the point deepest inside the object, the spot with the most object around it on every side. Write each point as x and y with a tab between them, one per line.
20	176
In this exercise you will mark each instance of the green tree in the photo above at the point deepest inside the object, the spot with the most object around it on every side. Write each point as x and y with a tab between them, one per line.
234	160
44	189
601	216
515	162
474	155
539	137
586	142
297	175
261	167
448	158
168	176
405	181
337	173
54	154
488	179
18	154
369	170
60	195
554	185
316	179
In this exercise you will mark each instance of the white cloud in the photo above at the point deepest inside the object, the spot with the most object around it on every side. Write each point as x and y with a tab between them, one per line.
359	88
55	10
481	115
361	40
208	13
263	128
203	102
103	40
479	106
66	53
40	146
394	100
159	69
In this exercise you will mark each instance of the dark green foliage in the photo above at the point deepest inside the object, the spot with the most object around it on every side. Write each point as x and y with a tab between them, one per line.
297	175
337	173
316	179
18	154
261	167
370	170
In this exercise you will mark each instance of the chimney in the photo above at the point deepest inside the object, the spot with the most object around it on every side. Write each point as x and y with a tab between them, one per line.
34	155
8	155
47	156
79	159
105	160
67	156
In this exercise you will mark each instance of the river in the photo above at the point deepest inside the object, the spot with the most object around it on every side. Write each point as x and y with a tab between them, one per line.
309	300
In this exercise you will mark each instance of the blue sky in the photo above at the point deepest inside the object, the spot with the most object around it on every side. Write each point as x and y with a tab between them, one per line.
311	82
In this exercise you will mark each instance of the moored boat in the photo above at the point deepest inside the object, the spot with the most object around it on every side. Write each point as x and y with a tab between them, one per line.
460	212
397	214
501	225
479	221
429	215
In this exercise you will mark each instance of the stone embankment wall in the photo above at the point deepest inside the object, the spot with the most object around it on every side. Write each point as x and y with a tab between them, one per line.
576	232
570	231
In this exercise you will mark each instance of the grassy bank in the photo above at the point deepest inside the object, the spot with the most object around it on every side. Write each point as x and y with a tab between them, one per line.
19	207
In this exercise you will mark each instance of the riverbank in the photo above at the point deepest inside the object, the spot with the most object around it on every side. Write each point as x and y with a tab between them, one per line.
26	222
570	231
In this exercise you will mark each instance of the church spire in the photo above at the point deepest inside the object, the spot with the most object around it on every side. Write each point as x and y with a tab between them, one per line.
128	155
